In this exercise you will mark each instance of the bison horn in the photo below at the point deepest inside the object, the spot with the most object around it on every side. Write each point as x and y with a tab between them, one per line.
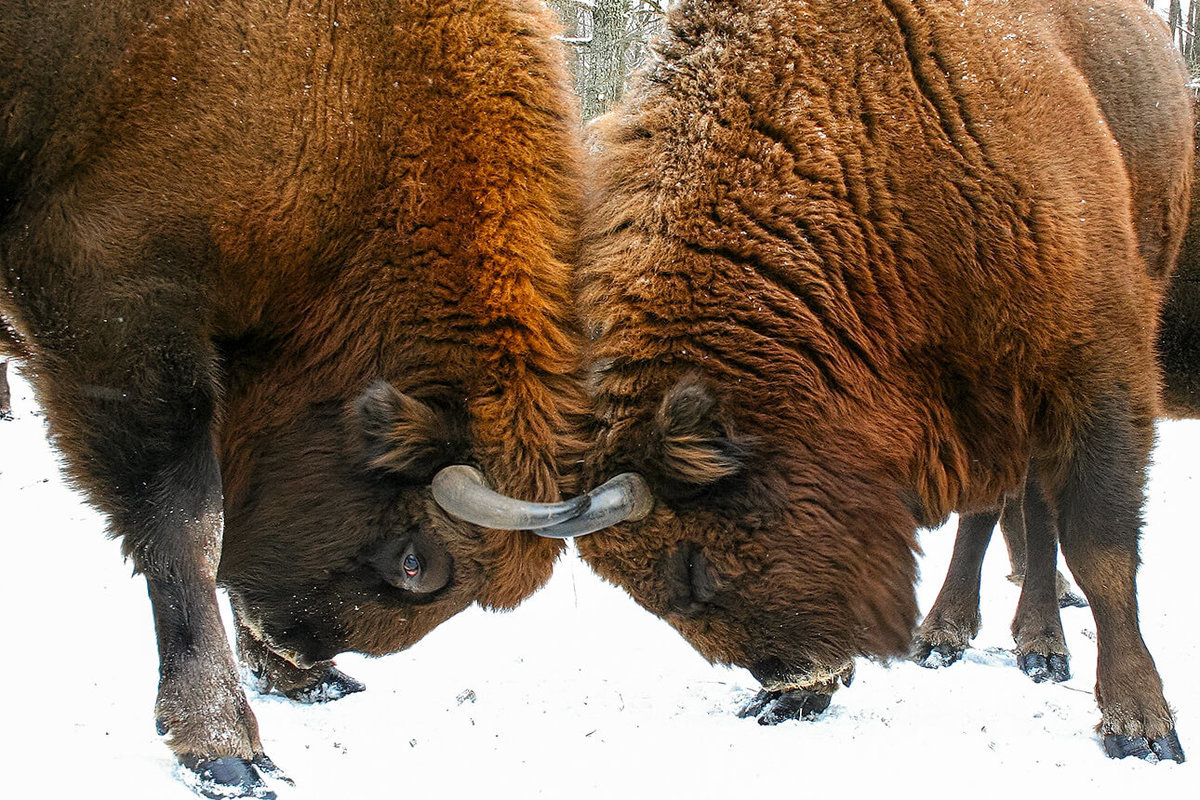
463	492
625	497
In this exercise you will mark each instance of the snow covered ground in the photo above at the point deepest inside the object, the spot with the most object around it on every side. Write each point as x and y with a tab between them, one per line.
578	693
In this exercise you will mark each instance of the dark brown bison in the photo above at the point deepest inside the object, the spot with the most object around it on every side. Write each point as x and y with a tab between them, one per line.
270	267
853	266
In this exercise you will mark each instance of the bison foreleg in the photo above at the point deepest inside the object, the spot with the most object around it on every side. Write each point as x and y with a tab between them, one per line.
173	533
127	378
1099	495
952	623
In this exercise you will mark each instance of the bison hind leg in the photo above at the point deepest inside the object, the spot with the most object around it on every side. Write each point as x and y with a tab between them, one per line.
1037	627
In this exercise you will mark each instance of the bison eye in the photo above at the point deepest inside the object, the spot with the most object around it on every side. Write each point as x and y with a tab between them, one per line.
412	562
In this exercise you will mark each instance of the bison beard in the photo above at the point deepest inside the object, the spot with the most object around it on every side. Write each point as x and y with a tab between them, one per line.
270	267
850	267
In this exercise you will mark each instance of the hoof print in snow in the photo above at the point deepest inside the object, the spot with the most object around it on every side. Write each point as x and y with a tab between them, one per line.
223	778
772	707
1166	748
936	657
1041	668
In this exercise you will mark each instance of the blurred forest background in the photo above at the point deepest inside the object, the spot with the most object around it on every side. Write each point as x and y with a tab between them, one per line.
607	39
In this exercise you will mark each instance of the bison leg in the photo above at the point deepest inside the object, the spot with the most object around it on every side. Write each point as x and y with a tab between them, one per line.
1012	525
273	674
5	405
126	376
954	620
1037	628
1099	499
772	706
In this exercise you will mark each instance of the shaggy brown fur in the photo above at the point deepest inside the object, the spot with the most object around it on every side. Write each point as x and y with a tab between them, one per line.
894	249
290	259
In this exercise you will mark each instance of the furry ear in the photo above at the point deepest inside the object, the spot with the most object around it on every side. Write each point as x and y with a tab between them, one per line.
405	435
693	444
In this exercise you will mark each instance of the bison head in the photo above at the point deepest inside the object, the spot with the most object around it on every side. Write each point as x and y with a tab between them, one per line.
335	542
767	547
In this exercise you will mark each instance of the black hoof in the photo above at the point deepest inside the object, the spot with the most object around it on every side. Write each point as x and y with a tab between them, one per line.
222	778
333	685
943	655
771	708
1071	600
1168	748
1056	668
1118	745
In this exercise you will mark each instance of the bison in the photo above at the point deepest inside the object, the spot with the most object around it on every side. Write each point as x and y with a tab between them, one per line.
849	267
270	267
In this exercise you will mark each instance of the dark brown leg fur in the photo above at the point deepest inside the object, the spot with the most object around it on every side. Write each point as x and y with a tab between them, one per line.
952	623
1037	626
1098	495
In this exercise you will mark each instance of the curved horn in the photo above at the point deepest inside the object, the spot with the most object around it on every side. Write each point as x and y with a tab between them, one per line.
463	492
625	497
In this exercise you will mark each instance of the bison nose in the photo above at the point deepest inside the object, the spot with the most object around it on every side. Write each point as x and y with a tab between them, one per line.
690	582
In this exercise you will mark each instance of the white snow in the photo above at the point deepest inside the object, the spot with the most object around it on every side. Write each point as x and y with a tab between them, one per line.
578	693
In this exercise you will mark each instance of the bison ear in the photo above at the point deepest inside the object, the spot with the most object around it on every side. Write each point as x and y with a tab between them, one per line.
411	437
693	443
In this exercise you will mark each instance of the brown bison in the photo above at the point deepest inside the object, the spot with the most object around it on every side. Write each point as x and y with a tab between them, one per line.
270	267
853	266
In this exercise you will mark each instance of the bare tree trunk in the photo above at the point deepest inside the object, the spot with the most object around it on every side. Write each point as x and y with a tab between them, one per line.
605	78
1191	50
606	39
